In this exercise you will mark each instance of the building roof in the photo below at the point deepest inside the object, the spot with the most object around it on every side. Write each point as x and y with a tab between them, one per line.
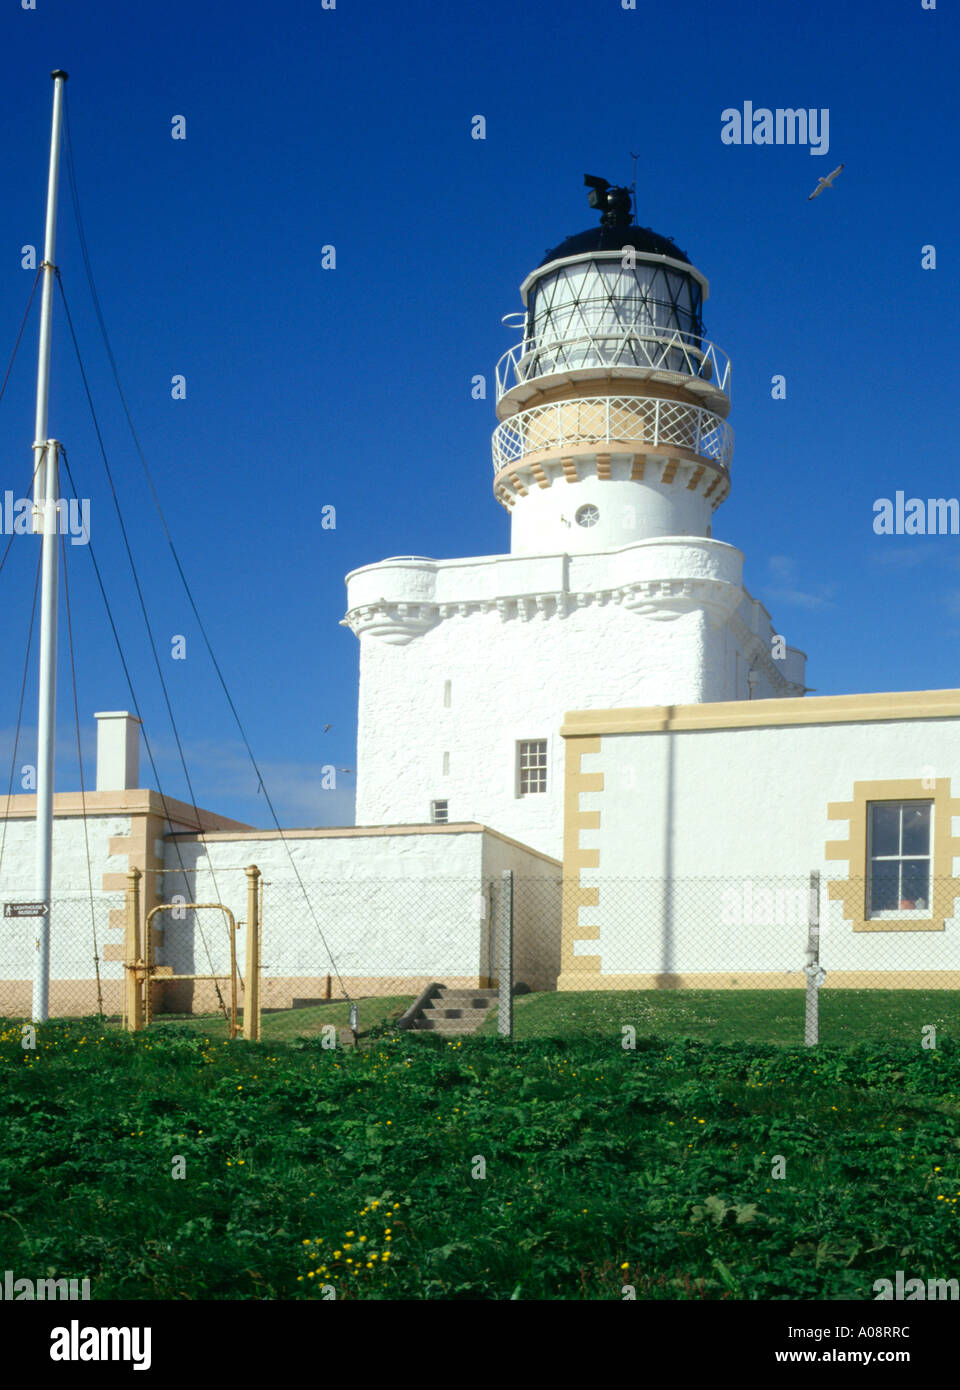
614	239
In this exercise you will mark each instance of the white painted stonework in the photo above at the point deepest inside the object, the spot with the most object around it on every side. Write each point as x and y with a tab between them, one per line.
689	817
72	921
394	911
522	639
69	858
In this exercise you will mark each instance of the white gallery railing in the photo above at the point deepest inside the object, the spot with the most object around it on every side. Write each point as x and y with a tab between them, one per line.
616	346
630	420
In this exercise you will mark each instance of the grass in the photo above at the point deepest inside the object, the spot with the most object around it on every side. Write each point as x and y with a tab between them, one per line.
171	1165
374	1013
753	1016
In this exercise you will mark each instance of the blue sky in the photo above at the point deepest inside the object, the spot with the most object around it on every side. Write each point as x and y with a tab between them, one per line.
351	387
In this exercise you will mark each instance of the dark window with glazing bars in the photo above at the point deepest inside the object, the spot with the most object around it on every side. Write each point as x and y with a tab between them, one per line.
898	856
531	766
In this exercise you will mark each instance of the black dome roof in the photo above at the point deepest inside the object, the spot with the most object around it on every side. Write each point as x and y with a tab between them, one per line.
614	239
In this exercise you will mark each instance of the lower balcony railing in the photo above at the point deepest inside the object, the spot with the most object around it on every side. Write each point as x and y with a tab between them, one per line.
631	420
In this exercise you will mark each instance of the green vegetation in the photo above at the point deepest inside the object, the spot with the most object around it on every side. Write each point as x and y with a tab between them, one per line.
305	1166
749	1015
306	1022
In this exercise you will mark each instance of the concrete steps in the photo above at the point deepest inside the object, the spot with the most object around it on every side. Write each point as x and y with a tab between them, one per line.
454	1011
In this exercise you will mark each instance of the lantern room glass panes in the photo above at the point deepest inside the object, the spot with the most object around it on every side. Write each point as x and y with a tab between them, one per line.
899	858
597	313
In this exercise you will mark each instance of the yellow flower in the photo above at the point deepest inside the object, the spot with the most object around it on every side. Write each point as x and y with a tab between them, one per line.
625	1265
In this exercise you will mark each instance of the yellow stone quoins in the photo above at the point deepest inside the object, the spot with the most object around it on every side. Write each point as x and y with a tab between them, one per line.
851	891
139	847
576	858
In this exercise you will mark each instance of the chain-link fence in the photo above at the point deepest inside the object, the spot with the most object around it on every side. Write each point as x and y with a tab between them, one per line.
86	952
763	959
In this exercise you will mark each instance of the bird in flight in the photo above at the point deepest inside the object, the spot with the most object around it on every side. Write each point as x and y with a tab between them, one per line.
825	183
326	727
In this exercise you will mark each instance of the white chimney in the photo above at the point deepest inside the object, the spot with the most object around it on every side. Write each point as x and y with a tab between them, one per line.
118	751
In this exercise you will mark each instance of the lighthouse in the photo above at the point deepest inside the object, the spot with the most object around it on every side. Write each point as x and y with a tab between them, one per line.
611	453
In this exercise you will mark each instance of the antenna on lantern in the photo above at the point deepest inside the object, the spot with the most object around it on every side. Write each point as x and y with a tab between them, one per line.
46	494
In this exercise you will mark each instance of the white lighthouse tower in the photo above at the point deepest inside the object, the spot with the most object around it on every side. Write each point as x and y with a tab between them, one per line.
611	454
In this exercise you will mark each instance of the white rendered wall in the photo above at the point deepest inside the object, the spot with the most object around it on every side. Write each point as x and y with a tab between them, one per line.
629	511
391	907
71	928
716	809
523	639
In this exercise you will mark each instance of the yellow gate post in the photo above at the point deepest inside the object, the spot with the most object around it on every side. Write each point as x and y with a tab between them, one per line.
132	997
251	995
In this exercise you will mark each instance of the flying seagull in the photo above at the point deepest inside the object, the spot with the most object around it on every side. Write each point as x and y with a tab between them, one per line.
825	183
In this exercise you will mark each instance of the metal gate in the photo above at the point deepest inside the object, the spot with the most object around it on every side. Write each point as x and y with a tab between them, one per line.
140	966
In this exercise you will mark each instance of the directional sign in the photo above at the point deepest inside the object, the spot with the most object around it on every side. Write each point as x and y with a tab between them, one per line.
25	909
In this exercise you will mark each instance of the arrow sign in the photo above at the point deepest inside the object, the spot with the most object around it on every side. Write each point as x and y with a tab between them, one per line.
25	909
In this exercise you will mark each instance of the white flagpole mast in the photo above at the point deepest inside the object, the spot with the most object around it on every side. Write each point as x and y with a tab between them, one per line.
46	494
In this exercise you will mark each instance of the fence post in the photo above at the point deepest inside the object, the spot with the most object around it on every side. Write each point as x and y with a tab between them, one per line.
505	956
811	1023
251	995
132	996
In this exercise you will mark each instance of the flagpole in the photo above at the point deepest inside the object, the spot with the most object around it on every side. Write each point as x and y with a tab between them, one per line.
46	494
